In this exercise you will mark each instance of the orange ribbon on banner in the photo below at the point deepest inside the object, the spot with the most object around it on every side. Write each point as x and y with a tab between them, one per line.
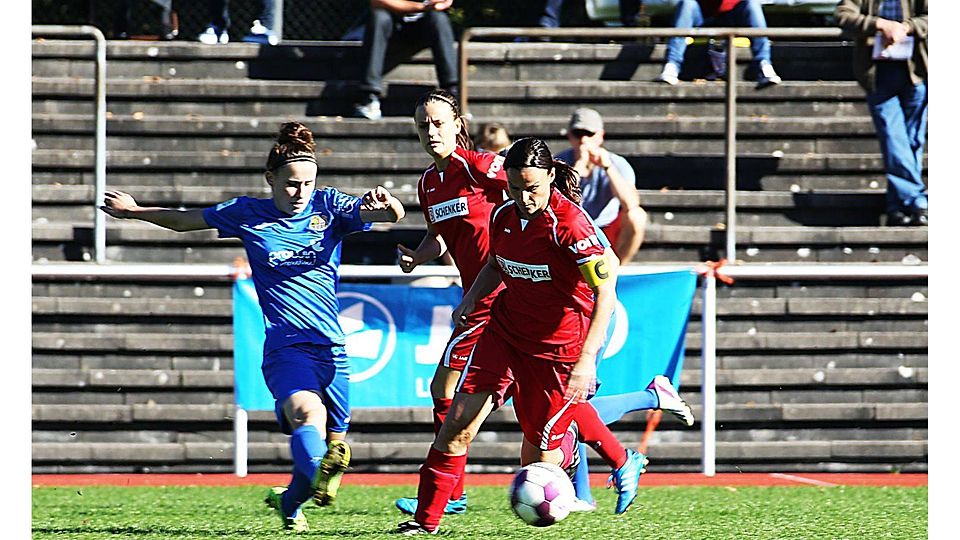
712	268
241	269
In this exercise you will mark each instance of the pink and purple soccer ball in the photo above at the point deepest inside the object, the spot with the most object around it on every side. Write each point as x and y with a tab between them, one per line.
541	494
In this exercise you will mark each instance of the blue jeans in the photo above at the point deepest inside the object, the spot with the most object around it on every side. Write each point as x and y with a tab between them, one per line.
747	13
899	111
219	13
551	13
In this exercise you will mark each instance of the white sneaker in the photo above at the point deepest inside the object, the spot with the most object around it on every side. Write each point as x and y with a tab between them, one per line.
768	77
580	505
211	36
670	399
670	74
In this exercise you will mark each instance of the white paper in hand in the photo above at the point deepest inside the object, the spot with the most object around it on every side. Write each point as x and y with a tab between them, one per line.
902	50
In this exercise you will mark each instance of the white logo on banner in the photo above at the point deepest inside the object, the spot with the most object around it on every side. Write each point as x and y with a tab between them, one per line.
620	322
440	327
370	331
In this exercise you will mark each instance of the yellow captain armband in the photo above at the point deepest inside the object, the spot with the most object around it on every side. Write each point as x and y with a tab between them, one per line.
595	270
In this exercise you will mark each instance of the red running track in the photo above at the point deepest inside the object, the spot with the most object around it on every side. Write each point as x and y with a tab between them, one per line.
648	480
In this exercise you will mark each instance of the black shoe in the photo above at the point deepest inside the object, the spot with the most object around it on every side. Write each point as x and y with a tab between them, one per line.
898	219
919	218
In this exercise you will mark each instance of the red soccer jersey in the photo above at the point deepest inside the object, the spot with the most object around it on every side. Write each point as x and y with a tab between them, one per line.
457	203
545	309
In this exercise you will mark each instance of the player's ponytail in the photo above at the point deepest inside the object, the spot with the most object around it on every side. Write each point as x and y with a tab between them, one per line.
567	181
294	143
442	96
533	152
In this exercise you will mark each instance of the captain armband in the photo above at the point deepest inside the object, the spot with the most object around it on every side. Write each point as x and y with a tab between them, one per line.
595	270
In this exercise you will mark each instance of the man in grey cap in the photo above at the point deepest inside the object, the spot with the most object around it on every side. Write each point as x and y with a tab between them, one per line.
607	182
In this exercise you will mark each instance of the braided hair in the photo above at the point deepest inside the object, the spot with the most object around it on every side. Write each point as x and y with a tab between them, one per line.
439	95
533	152
294	143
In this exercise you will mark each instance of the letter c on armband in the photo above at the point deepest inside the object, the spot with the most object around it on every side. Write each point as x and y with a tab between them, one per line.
595	271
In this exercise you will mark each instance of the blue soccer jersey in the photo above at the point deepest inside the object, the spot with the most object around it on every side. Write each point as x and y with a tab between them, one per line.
295	261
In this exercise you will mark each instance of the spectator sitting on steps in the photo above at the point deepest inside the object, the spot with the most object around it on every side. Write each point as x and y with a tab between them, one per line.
393	22
607	184
697	13
261	31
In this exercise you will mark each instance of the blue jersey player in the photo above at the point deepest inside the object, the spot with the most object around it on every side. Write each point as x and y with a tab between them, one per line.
292	241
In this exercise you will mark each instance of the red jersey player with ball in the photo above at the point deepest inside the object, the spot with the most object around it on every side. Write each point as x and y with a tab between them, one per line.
546	328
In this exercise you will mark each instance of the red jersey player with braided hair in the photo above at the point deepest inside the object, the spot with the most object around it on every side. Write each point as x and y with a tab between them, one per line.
558	277
457	194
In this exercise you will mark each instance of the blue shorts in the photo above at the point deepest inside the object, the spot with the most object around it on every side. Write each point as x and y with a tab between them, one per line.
322	369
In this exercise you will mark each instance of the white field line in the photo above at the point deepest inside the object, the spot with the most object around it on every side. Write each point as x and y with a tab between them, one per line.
802	480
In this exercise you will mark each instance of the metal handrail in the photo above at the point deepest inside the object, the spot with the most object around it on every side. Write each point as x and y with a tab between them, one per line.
100	118
177	271
730	146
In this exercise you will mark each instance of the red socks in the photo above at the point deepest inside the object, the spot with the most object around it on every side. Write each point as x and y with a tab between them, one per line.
596	434
441	406
439	474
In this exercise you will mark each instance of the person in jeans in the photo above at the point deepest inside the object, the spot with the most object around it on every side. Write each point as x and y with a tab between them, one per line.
404	21
896	86
261	31
550	18
697	13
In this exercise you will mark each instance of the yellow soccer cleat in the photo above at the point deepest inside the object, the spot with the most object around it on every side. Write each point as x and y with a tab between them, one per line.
297	523
327	480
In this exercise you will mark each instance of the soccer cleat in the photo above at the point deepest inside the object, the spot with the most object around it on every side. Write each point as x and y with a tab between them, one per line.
768	77
670	399
273	497
669	75
296	523
626	479
408	505
409	528
571	443
326	482
580	505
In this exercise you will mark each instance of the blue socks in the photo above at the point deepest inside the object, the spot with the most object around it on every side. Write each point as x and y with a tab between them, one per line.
307	447
612	408
298	492
581	480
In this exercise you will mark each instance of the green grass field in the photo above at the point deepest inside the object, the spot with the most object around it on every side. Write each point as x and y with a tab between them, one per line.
679	513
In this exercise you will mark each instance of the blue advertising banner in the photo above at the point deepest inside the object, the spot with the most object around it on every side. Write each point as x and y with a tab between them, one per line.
396	335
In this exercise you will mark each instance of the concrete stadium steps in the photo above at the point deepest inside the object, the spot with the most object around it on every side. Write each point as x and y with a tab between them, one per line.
137	376
663	243
630	61
502	99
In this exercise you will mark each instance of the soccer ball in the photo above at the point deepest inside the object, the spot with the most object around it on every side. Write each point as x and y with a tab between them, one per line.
541	494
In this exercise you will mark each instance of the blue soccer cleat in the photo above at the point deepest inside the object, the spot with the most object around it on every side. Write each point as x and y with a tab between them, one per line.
627	479
408	505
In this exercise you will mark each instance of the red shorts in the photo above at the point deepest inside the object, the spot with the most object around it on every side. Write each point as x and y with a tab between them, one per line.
464	339
538	388
612	230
